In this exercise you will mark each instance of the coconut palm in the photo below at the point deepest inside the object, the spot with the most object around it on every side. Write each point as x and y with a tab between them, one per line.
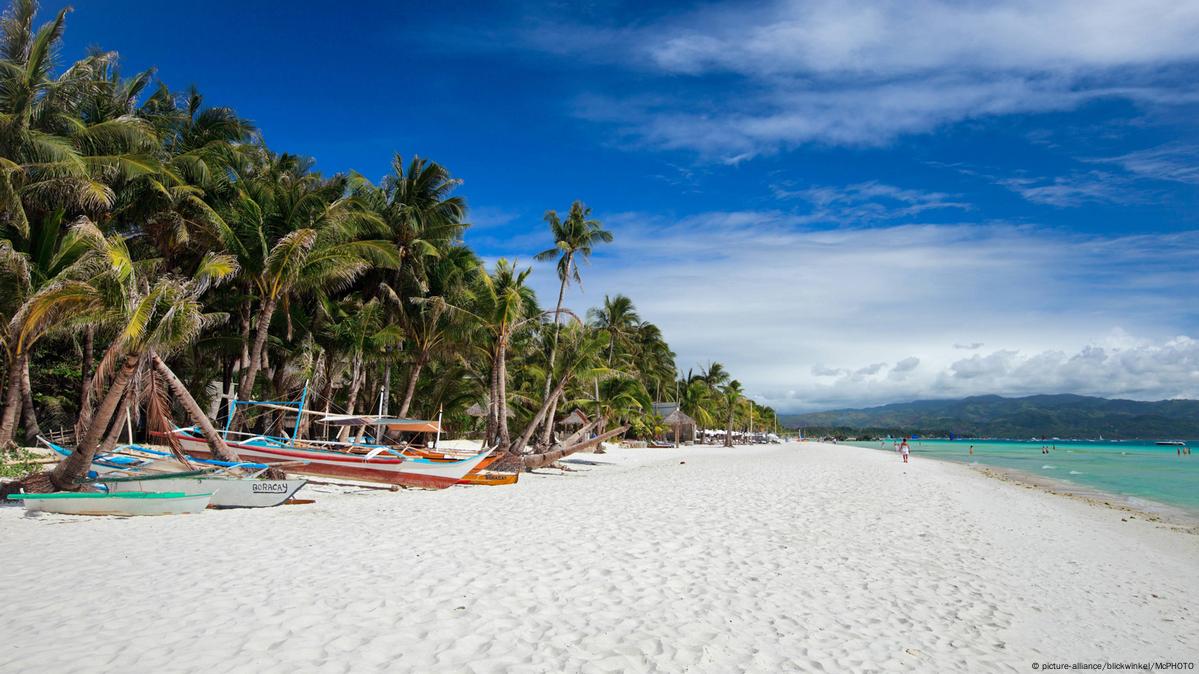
733	398
429	325
501	303
149	313
291	233
46	251
618	318
576	236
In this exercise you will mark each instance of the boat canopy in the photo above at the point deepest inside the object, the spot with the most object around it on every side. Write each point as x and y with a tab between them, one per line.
392	423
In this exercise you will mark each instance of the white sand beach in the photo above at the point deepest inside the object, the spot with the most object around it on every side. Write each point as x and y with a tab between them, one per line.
800	557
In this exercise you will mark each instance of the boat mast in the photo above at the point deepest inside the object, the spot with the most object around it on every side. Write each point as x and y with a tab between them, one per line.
379	427
232	396
300	411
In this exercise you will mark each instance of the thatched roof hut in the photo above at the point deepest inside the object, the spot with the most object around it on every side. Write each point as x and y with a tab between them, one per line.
678	420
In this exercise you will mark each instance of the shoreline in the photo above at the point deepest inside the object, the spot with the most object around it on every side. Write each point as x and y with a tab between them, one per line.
1176	517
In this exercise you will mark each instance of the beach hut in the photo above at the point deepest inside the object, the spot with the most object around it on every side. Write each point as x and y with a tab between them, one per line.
674	417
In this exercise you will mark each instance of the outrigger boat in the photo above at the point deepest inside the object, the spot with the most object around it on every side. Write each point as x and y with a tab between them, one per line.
227	492
347	460
137	469
378	464
100	503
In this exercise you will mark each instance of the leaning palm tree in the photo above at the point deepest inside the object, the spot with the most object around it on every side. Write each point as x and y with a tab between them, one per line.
734	397
149	314
577	235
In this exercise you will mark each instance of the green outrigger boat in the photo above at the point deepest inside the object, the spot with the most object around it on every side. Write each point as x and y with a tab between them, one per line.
122	504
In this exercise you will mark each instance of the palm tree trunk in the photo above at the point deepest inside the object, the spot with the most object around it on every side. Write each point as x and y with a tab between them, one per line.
76	465
387	389
28	414
355	384
492	405
118	426
502	393
537	418
534	461
327	391
728	433
257	349
12	402
410	390
548	433
549	373
85	366
215	442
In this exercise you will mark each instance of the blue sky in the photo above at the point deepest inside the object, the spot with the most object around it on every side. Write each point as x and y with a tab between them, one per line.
847	203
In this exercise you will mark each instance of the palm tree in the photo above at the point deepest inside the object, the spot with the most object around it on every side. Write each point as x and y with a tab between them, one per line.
577	235
428	323
46	251
149	313
290	236
714	376
501	303
417	208
696	400
733	396
618	318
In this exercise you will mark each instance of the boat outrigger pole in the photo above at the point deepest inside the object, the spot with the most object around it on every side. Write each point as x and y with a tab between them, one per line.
300	411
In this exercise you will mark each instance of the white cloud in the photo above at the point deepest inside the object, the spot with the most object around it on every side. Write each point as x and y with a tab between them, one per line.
1172	162
835	37
1076	189
863	73
812	318
867	202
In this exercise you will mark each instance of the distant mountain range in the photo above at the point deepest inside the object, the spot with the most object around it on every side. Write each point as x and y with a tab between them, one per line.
1063	416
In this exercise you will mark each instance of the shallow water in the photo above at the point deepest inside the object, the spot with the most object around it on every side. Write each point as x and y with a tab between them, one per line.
1132	469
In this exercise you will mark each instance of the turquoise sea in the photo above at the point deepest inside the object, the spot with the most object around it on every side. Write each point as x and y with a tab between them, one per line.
1135	470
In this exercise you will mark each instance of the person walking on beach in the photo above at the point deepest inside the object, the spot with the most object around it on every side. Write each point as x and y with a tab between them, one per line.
904	449
971	450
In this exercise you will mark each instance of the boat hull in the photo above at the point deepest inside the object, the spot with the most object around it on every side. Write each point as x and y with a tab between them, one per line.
227	492
406	472
120	506
490	478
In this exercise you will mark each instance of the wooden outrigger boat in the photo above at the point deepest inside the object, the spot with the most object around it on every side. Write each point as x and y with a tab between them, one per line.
492	478
378	464
227	492
141	469
125	504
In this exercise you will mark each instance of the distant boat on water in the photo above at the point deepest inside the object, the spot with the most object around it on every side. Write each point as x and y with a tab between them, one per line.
1172	443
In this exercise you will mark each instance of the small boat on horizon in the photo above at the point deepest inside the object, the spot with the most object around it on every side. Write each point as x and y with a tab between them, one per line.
1171	443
